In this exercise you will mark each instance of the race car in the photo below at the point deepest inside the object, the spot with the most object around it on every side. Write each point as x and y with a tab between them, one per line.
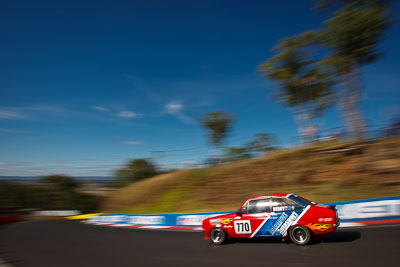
280	215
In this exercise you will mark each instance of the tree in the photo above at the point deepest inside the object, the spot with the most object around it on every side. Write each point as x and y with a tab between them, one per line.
55	192
261	143
305	84
60	182
236	153
218	124
353	35
136	170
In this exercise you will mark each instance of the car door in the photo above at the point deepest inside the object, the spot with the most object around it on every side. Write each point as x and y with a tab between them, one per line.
253	215
284	214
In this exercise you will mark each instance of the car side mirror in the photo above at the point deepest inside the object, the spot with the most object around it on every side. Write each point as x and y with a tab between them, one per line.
238	213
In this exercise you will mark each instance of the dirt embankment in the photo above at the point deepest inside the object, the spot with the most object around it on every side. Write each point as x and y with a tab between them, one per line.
324	173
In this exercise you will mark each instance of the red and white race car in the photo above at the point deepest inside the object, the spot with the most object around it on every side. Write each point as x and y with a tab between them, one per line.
278	215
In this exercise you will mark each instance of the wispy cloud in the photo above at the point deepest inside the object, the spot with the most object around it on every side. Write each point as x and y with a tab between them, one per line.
93	159
61	161
68	167
171	107
11	113
55	110
31	112
147	90
175	108
73	170
15	163
100	108
124	114
128	114
12	131
132	143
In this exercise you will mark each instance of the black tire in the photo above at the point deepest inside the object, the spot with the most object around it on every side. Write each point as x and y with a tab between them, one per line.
300	235
217	236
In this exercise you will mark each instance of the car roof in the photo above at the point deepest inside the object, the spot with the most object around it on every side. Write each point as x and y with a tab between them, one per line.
274	195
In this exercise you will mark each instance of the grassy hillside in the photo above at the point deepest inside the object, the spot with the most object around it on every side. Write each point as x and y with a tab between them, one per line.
325	172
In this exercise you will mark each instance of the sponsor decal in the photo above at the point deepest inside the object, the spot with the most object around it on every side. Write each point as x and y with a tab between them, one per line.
319	227
112	219
189	220
284	208
274	216
370	209
146	220
226	220
278	223
283	228
194	219
325	219
214	221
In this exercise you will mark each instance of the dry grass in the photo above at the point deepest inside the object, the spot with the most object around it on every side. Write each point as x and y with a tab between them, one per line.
325	172
143	192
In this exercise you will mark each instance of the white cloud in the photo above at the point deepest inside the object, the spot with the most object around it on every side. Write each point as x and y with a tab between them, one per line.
100	108
174	107
132	143
128	114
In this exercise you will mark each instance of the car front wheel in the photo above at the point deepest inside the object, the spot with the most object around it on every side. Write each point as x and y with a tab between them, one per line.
217	236
300	235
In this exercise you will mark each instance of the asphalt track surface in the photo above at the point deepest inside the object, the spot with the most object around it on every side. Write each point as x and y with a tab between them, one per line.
71	243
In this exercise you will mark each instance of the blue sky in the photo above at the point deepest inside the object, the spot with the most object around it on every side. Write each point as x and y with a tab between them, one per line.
85	85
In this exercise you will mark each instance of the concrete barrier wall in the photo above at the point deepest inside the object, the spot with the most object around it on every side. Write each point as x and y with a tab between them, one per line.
172	221
369	211
351	213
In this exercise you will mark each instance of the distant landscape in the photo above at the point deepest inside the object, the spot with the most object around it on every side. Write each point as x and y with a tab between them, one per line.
84	179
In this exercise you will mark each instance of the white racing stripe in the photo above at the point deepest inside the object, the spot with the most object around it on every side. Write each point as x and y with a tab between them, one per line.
301	215
261	225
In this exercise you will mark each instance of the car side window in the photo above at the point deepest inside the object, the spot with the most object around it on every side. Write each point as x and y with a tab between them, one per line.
297	206
259	205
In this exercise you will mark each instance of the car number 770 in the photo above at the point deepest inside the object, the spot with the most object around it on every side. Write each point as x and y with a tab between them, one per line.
242	227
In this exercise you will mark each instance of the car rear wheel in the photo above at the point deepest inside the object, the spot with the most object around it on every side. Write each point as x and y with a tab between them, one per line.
300	235
217	236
